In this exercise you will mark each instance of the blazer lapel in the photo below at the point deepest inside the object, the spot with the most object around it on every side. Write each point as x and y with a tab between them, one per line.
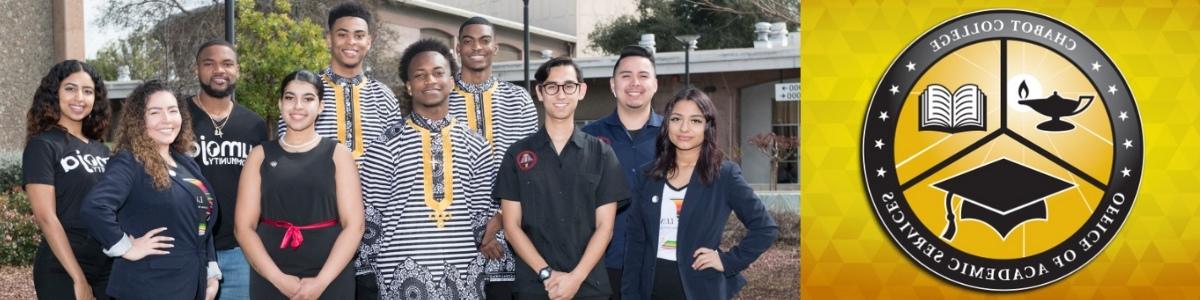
696	197
655	207
183	184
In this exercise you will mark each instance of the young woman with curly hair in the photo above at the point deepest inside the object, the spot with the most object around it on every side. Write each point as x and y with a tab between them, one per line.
153	210
64	156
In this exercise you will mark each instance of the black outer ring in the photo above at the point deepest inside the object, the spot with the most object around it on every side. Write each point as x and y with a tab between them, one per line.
1082	56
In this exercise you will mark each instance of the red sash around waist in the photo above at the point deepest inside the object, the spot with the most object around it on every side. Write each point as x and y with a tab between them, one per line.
293	238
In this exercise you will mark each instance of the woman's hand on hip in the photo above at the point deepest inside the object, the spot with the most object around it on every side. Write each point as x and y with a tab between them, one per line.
705	258
149	244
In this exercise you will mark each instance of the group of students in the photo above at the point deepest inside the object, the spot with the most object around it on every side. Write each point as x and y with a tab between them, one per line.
463	197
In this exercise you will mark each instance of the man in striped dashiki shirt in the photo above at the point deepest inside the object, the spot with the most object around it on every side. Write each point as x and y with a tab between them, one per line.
356	108
503	113
429	179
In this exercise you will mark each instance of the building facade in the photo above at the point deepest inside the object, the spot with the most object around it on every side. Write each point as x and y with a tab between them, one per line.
740	82
36	34
414	20
577	18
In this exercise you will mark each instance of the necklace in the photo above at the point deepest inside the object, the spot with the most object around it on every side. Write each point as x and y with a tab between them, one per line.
305	145
218	126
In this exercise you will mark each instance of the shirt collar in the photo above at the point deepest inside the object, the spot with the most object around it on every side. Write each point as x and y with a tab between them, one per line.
474	88
431	125
542	138
655	119
343	80
614	119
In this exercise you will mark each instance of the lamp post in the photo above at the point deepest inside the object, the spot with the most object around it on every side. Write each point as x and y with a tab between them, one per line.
689	43
526	49
229	15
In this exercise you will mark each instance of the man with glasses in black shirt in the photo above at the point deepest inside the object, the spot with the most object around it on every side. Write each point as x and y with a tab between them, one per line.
559	190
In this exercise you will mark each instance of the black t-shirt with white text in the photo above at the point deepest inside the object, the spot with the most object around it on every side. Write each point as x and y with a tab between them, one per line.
70	164
221	159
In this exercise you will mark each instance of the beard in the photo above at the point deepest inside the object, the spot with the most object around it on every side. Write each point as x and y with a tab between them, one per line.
209	90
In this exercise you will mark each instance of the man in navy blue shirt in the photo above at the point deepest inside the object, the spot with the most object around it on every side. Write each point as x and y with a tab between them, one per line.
630	131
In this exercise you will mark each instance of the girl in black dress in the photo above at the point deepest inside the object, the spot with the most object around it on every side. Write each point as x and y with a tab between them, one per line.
63	158
299	214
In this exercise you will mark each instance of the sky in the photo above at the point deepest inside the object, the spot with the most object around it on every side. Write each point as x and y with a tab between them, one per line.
96	37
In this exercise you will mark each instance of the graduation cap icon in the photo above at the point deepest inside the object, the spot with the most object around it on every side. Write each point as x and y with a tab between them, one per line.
1001	194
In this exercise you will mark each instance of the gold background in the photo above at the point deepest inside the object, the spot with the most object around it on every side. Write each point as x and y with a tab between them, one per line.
846	47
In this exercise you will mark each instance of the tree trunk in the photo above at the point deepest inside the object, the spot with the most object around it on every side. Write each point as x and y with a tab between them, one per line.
774	174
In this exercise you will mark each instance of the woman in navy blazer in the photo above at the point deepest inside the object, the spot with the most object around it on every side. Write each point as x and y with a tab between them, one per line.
678	213
153	210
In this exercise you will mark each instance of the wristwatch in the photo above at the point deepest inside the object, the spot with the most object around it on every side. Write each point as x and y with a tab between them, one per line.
544	274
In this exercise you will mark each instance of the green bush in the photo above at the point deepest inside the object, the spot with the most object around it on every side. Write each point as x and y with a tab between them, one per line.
272	44
10	171
19	235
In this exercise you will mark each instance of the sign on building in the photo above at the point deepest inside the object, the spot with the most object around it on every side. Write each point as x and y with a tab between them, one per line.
787	91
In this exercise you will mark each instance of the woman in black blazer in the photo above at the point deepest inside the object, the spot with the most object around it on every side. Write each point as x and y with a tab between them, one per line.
153	210
678	213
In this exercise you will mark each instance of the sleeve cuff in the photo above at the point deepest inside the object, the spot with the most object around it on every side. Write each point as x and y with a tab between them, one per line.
120	248
721	255
214	271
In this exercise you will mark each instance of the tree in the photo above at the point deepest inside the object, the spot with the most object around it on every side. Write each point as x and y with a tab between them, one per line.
777	148
271	45
137	52
172	29
290	28
787	11
382	62
142	14
721	23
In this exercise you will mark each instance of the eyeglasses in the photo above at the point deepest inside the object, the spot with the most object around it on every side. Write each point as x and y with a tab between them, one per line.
568	88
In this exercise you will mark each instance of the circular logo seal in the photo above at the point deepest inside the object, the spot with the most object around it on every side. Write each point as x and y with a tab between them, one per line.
526	160
1002	150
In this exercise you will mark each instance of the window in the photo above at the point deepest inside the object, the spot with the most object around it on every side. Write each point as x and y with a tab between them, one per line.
785	121
508	53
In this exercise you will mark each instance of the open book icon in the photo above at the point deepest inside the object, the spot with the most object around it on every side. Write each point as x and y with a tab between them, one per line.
963	110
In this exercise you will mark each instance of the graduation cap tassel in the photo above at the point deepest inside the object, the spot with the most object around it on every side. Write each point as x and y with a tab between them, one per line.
948	234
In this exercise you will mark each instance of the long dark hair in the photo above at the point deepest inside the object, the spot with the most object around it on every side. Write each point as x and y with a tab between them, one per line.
304	76
709	163
132	136
44	113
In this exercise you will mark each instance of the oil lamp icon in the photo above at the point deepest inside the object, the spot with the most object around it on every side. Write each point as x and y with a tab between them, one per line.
1055	107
